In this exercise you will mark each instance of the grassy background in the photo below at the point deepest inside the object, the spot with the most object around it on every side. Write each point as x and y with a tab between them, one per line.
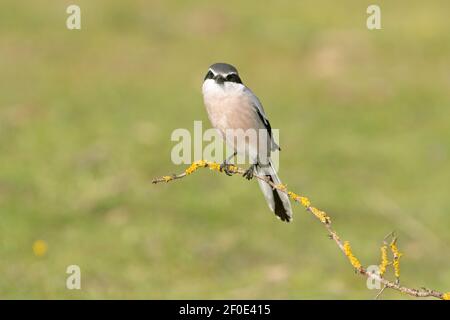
85	124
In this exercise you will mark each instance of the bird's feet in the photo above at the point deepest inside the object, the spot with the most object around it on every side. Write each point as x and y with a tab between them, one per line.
225	167
249	173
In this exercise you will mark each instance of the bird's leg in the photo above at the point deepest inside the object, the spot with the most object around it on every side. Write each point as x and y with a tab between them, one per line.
225	166
249	173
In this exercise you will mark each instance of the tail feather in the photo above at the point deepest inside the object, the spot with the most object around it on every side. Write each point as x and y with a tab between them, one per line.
277	200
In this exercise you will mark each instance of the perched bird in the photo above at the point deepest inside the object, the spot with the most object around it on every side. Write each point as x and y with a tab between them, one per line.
235	111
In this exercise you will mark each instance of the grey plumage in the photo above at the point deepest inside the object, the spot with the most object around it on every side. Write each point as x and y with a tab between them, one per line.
223	68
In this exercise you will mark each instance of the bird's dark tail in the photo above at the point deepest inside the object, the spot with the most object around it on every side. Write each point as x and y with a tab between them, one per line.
277	200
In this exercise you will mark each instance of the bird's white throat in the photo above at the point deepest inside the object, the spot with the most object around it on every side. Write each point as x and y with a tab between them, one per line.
211	89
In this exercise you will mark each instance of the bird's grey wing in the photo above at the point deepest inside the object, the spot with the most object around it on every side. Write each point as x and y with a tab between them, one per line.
262	116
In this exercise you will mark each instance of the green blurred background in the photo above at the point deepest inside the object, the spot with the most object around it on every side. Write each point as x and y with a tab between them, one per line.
85	124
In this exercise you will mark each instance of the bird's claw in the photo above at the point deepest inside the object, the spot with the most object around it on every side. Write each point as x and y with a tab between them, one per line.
225	167
249	173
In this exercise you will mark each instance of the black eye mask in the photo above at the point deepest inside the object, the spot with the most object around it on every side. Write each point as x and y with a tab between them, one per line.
233	77
209	75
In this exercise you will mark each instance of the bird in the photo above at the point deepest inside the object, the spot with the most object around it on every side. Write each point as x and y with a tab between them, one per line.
234	111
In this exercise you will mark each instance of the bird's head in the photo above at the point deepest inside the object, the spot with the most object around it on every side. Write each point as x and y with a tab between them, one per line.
223	72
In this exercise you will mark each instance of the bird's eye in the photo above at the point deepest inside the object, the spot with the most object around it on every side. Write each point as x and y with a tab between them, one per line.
209	75
233	77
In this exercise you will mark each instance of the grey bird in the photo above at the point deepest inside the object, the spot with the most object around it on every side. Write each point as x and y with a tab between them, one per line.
235	111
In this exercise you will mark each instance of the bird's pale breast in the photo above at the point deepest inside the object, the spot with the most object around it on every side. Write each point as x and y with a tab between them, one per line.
231	110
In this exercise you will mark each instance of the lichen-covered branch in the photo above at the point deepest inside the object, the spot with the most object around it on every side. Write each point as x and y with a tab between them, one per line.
344	246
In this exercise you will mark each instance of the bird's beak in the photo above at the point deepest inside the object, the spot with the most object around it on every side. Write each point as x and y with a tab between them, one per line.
219	79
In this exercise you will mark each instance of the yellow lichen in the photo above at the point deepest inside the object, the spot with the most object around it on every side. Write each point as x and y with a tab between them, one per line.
195	165
353	260
293	196
322	216
192	168
396	261
384	260
167	178
305	202
214	166
446	296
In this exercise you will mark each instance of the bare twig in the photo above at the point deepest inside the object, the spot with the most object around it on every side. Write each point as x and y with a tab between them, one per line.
344	246
380	293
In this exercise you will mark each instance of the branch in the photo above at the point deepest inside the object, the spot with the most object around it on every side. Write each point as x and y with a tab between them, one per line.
344	246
